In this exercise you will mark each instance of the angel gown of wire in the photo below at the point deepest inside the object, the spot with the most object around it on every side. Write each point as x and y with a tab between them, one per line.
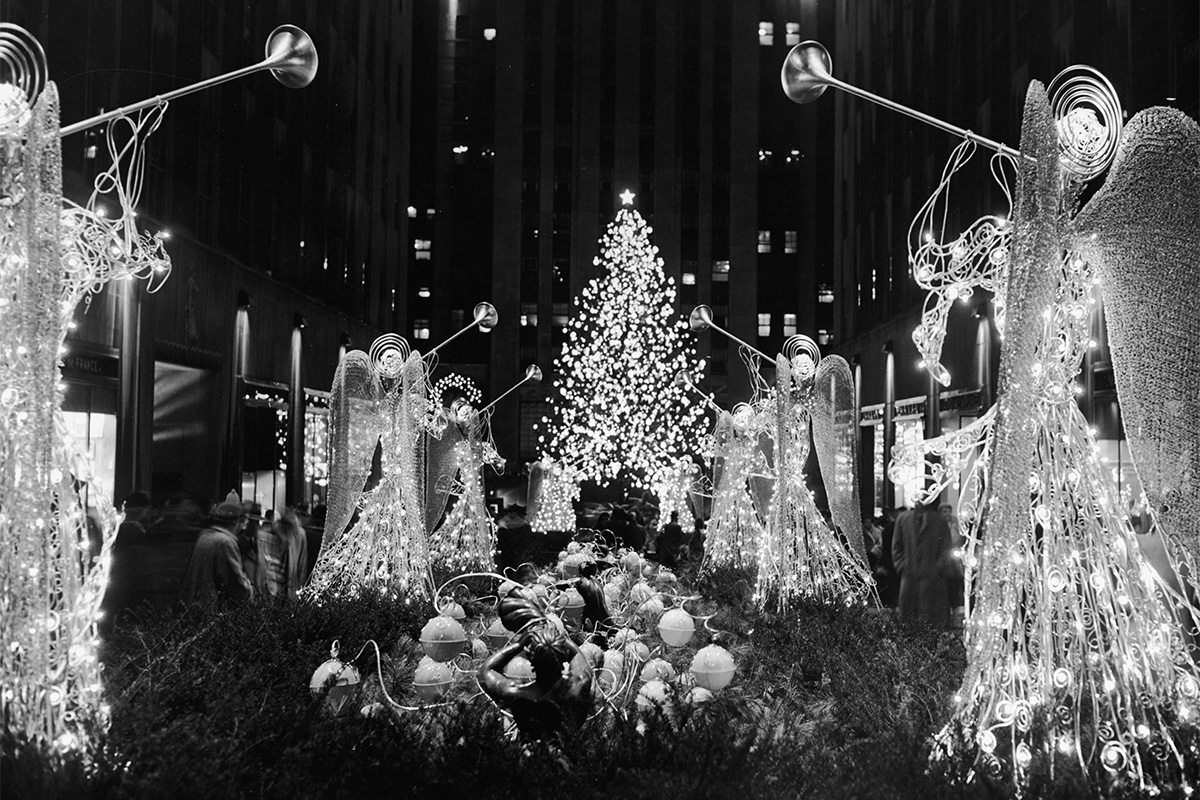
466	540
735	533
381	402
803	556
1074	658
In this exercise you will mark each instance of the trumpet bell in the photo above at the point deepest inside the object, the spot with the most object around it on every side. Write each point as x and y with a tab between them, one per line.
806	72
700	318
485	315
292	56
533	373
461	411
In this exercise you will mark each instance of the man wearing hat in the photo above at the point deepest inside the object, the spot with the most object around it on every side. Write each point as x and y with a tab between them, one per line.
216	565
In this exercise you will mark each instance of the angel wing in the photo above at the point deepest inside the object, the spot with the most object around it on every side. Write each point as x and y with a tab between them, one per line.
833	431
356	421
1141	231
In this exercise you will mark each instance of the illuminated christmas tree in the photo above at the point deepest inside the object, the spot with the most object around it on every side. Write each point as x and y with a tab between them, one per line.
617	413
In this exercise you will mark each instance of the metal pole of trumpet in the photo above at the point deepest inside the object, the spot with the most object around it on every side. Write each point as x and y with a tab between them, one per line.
684	378
485	317
533	374
808	69
291	57
702	317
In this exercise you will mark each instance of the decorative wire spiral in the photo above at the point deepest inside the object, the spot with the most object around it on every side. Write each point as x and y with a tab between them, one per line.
22	77
1088	115
388	354
801	345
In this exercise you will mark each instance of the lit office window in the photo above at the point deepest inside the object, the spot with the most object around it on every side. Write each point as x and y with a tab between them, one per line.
421	329
789	324
789	241
529	315
489	33
764	324
720	271
764	241
766	33
423	291
793	33
689	279
824	337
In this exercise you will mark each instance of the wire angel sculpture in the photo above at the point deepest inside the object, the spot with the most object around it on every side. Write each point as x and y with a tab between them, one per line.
735	533
553	491
378	400
804	556
674	489
1074	655
465	541
55	254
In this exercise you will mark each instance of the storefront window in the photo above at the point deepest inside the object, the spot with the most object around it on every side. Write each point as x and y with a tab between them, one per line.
264	444
89	413
909	432
316	447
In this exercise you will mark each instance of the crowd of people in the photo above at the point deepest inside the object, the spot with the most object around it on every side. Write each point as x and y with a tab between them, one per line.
635	526
185	554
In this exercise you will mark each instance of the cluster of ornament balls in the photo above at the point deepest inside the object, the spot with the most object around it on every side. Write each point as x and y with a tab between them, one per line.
610	603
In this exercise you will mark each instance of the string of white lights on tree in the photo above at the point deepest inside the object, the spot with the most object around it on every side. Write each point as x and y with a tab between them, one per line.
617	414
1074	656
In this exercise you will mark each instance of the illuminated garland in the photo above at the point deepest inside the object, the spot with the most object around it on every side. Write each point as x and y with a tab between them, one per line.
553	493
673	490
616	411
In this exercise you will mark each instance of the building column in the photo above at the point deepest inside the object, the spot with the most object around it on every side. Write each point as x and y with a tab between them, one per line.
295	439
889	428
131	472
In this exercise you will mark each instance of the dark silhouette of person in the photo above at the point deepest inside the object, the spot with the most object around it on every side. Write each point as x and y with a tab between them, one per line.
669	542
922	550
215	570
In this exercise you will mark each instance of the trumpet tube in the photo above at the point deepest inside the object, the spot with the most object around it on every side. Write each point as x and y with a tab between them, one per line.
533	374
807	71
485	316
702	318
291	57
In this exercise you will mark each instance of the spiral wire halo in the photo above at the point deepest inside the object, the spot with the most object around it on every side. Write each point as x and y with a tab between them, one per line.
801	345
23	75
1089	118
388	354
